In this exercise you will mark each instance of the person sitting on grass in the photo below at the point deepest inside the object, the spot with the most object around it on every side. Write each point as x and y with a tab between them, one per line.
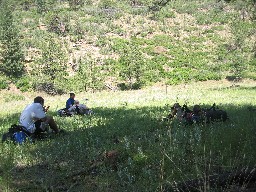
79	109
71	101
34	119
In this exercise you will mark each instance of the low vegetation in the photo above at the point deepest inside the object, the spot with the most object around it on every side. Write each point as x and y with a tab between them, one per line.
132	60
95	45
125	145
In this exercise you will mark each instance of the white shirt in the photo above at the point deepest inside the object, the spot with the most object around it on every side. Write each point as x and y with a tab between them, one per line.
34	110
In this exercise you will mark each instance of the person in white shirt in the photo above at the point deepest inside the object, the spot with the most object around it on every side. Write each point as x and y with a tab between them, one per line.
79	109
34	117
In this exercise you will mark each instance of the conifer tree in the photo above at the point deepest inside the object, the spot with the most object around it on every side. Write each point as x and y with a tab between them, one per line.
11	56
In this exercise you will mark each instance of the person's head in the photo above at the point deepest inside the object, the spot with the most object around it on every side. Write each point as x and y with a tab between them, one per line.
76	102
39	99
176	105
175	108
72	95
196	109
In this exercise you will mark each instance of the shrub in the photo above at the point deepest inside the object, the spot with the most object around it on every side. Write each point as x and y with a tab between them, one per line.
41	6
57	24
90	74
163	13
107	4
76	4
53	63
3	82
48	88
77	30
24	83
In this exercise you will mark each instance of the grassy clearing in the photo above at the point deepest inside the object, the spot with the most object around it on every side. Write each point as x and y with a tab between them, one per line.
152	153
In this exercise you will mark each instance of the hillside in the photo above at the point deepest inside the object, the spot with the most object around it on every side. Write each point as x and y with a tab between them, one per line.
108	44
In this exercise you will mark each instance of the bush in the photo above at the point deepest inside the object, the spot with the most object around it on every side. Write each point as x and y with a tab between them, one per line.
52	66
3	82
57	24
24	83
48	88
76	4
163	13
107	4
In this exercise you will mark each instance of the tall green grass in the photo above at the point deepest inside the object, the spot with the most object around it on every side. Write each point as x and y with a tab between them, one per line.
152	154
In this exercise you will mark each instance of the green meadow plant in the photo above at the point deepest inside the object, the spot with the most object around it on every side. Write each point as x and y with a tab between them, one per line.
13	97
153	154
3	82
181	44
205	36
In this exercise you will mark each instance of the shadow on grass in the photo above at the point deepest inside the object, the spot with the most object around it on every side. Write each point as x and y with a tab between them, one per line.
151	151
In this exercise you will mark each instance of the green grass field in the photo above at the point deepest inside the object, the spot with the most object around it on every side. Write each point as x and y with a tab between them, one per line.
151	153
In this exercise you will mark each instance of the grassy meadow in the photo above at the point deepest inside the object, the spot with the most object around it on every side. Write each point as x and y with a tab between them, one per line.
151	154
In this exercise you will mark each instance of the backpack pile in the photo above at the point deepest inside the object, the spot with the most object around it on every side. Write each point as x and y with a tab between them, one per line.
17	134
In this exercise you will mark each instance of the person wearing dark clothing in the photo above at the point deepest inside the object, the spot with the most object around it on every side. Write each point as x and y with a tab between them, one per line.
71	101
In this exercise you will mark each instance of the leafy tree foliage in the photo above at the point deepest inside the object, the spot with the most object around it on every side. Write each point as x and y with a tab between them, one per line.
243	28
51	68
54	61
57	24
89	73
131	64
11	59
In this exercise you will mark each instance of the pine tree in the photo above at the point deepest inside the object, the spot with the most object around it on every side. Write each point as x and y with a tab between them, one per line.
11	56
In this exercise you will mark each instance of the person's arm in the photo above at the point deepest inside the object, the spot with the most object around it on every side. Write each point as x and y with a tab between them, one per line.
46	108
72	108
39	113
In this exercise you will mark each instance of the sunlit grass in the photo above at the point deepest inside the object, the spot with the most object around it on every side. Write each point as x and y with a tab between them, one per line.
153	153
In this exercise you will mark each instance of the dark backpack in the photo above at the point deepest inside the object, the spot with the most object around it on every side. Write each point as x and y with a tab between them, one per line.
214	114
17	134
209	115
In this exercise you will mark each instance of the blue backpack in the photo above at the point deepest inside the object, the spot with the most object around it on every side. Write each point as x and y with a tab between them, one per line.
20	137
18	134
